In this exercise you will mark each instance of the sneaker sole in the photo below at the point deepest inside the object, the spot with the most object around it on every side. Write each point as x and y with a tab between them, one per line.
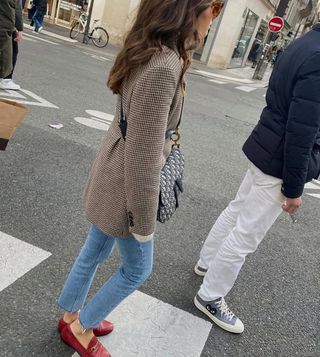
221	324
199	272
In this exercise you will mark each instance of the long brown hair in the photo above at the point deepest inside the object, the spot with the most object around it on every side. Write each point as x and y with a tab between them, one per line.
158	22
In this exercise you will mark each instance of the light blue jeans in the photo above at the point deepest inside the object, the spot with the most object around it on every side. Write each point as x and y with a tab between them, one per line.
137	261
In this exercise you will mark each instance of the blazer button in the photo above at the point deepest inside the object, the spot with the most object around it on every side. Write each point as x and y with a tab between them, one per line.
130	217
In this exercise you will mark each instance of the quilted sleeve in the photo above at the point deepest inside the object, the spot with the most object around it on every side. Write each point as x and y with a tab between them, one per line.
302	127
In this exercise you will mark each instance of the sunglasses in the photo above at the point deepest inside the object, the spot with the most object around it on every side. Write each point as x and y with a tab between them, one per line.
216	8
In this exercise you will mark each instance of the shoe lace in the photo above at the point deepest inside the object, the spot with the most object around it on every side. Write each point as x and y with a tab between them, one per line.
222	305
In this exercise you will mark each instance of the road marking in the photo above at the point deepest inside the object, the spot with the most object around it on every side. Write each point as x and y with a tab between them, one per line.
314	184
11	94
41	39
146	326
216	81
100	58
51	34
220	76
17	258
28	39
18	97
246	88
98	120
316	195
313	188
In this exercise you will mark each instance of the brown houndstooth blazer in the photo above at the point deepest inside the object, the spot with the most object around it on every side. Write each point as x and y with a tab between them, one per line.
123	188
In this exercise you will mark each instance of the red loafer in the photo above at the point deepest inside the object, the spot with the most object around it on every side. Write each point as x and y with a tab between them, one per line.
95	348
103	329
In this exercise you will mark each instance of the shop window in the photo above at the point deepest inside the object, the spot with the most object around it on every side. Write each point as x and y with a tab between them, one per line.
244	40
69	9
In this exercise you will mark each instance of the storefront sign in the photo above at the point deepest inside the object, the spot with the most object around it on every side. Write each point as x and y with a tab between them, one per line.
69	6
276	24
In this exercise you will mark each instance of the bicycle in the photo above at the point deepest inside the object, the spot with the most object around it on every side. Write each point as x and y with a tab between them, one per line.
97	34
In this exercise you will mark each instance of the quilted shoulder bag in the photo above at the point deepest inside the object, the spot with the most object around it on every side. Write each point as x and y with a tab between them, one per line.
171	175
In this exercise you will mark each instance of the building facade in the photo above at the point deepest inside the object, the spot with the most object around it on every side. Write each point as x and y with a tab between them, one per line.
242	24
115	15
233	34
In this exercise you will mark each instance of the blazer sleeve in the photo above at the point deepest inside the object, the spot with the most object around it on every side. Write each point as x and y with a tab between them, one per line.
302	127
147	122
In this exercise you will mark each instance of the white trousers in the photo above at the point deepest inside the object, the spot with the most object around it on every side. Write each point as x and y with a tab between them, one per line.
238	231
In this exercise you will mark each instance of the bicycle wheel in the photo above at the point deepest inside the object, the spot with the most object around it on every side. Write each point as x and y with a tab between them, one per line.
75	30
100	37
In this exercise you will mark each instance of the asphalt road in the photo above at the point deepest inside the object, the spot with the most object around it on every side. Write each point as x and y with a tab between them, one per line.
43	173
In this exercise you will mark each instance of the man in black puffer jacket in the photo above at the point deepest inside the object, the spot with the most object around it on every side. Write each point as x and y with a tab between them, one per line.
283	151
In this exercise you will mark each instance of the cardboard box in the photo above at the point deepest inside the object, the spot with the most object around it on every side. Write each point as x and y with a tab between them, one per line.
11	116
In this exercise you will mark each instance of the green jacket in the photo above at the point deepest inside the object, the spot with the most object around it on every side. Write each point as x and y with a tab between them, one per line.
10	15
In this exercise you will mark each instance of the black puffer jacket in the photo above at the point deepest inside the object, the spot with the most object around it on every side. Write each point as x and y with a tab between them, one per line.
286	141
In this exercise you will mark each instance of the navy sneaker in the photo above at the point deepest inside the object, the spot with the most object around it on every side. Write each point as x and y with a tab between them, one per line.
200	271
219	312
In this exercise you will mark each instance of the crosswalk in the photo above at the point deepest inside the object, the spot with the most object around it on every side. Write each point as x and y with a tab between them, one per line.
144	325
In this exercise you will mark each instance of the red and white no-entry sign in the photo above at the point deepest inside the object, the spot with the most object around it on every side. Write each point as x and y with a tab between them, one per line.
276	24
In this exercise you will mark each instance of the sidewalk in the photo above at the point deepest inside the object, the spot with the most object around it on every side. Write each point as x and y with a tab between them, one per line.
241	75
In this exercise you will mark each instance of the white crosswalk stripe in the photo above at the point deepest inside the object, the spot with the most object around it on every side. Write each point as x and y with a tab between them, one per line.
29	98
36	38
216	81
246	89
52	34
145	327
17	258
313	189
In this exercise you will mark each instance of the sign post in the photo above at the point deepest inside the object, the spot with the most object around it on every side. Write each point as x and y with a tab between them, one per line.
274	24
86	31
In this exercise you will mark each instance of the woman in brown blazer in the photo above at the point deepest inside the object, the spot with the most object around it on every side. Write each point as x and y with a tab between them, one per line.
121	197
